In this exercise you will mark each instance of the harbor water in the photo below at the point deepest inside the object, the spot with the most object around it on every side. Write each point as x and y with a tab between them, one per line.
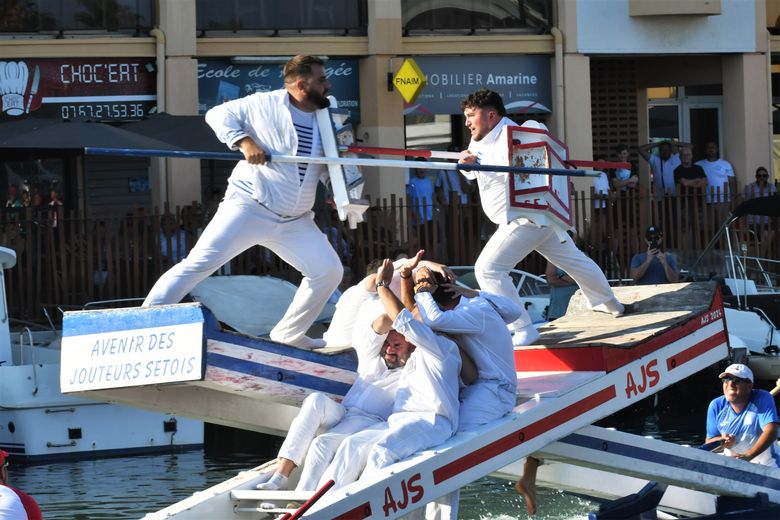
130	487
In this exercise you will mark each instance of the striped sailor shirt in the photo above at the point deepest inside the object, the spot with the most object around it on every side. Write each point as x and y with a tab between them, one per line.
287	189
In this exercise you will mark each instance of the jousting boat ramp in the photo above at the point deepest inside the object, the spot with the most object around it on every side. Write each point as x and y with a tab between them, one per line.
586	366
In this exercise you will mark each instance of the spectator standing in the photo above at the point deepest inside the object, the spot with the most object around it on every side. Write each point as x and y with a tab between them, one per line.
662	169
15	504
761	225
653	266
601	191
688	174
692	179
760	188
420	190
662	165
602	227
624	179
172	240
55	207
13	200
721	182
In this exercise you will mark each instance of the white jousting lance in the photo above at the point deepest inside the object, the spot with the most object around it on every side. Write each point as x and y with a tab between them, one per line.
346	161
436	154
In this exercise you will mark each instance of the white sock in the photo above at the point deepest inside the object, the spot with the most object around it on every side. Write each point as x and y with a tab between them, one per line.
276	482
525	336
611	307
265	477
304	342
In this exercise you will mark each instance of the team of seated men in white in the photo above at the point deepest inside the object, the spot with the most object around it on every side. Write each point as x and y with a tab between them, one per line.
433	359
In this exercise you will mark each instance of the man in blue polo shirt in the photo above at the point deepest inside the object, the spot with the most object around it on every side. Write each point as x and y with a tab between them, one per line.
744	419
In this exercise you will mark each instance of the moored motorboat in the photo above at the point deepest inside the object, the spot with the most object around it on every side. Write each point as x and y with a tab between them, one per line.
38	423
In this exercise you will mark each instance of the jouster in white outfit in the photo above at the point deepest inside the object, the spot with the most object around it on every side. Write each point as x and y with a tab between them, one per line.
425	412
342	325
268	205
514	240
479	323
367	403
357	306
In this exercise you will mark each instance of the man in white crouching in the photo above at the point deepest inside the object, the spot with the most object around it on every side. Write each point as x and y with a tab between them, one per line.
382	353
425	413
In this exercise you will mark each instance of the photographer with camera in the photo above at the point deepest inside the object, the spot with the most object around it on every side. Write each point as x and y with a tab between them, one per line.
654	266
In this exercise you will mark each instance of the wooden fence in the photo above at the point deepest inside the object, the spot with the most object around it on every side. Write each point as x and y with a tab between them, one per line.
65	259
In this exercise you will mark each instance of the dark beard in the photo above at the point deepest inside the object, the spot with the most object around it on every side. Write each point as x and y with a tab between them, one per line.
320	101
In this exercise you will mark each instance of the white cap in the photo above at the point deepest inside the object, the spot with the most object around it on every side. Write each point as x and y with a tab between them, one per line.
738	370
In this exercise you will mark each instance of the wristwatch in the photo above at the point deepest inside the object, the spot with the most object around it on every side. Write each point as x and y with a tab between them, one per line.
382	283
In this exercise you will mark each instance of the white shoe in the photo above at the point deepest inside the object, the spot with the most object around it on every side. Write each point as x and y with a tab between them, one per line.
275	483
525	336
304	342
613	307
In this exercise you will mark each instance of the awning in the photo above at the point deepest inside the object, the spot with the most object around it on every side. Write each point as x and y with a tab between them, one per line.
190	133
30	135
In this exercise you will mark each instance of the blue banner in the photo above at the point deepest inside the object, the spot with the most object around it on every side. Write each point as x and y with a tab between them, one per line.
522	80
219	80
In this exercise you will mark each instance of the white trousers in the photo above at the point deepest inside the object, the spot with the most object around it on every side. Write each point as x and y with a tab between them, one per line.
384	444
351	456
483	402
319	412
514	241
480	403
406	434
241	223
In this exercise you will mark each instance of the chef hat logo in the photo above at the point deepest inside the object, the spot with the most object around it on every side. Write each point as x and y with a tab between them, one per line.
13	83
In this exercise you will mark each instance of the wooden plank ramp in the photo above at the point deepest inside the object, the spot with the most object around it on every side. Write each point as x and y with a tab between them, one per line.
586	366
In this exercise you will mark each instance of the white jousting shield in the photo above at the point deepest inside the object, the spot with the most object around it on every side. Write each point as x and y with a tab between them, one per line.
545	199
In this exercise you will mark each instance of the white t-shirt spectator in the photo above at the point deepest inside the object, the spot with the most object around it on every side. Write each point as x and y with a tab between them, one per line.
663	173
600	188
718	173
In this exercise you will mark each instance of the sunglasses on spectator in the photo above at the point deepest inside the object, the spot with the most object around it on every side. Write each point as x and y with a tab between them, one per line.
762	176
735	380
